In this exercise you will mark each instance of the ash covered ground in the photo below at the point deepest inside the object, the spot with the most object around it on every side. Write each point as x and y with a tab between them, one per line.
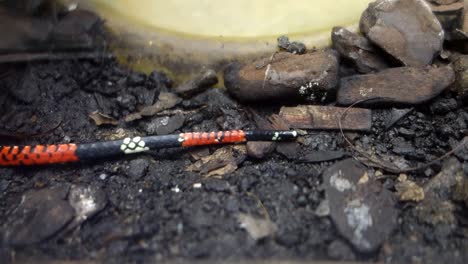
150	207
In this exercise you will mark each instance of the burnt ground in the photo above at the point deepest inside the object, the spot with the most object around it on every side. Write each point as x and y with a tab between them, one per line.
144	217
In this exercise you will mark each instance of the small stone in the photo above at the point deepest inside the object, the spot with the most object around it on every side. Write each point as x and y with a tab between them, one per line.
259	150
164	125
40	215
443	106
409	190
405	29
292	47
321	156
257	228
323	209
288	149
441	186
313	76
136	79
137	168
358	50
339	250
404	85
395	115
217	185
363	212
407	133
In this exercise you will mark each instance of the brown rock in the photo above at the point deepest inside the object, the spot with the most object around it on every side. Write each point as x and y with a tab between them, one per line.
406	29
404	85
40	215
450	15
198	84
442	2
313	76
363	211
460	67
326	117
259	150
358	50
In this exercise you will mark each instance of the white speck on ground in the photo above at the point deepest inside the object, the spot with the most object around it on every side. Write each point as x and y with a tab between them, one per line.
359	219
340	183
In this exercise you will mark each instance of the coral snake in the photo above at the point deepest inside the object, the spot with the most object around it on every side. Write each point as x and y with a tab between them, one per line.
64	153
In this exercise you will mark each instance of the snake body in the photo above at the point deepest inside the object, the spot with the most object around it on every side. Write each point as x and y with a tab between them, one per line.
65	153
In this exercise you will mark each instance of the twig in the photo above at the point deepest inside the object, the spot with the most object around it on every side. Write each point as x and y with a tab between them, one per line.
21	136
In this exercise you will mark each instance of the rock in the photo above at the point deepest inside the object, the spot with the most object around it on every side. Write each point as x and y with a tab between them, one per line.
323	209
441	186
444	105
164	125
339	250
395	115
321	156
87	202
259	150
460	67
326	117
405	29
137	168
198	84
217	185
290	150
313	76
408	190
362	210
40	215
450	15
437	209
257	228
404	85
461	190
136	79
358	50
291	47
437	213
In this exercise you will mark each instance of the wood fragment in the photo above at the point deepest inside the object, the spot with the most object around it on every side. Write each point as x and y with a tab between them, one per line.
326	117
102	119
403	85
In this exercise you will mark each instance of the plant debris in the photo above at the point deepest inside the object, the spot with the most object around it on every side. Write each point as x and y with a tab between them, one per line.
102	119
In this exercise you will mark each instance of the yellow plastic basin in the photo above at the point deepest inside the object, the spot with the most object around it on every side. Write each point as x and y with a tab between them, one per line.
184	35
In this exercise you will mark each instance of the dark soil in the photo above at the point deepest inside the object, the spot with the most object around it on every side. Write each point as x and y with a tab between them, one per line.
146	219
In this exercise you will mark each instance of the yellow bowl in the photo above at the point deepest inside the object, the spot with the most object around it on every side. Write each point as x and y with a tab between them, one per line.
184	35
